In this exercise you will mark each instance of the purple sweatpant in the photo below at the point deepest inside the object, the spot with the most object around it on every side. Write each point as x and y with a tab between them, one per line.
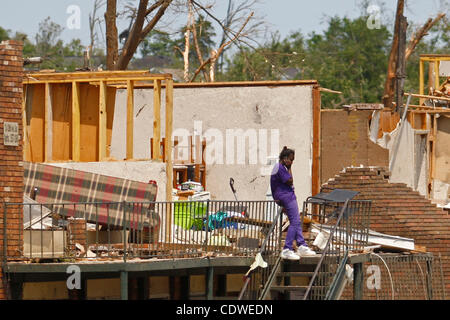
295	228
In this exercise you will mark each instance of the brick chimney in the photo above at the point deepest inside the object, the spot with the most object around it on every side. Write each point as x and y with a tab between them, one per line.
11	155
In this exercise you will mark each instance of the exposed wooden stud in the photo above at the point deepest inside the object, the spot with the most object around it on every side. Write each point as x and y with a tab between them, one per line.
130	119
76	122
168	150
436	74
157	120
315	179
26	138
198	158
421	80
47	122
102	119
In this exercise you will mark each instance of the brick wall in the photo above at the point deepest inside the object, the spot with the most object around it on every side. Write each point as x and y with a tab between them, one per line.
76	233
11	157
400	211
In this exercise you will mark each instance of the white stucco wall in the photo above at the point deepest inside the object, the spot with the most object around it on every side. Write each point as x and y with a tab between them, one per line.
287	110
141	171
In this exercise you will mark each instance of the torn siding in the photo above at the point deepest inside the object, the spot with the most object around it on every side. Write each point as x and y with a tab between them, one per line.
407	156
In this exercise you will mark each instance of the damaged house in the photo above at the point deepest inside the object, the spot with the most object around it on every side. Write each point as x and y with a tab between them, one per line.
92	181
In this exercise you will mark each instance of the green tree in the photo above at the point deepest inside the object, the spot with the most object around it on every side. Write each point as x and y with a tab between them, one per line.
268	62
157	43
29	49
52	49
349	58
4	34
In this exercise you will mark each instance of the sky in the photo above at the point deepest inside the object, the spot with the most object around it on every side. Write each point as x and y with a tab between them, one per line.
284	16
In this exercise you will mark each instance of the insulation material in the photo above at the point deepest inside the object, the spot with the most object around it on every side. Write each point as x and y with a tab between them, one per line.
407	156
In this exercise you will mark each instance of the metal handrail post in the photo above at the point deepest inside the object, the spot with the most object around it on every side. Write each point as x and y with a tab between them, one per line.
325	251
124	232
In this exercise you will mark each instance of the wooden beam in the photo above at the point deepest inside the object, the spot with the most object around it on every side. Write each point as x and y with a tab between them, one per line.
421	80
26	138
315	183
436	75
229	84
94	75
130	119
427	96
47	124
157	120
76	122
168	150
102	119
112	81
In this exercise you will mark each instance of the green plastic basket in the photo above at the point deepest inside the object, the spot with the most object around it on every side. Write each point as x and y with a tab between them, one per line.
188	213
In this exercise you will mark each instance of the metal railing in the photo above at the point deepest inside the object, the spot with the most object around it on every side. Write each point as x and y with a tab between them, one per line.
129	230
342	228
259	279
404	277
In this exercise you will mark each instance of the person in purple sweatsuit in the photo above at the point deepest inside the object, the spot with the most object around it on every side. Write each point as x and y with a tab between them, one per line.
282	186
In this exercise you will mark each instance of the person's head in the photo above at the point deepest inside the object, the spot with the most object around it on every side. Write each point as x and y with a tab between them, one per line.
287	156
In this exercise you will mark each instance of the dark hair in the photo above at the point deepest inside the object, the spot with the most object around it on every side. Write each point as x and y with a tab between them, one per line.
286	153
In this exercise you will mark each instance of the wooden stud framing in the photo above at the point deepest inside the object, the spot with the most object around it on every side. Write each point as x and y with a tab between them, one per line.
436	74
26	138
130	118
315	182
157	120
76	122
168	150
421	80
102	118
47	127
89	122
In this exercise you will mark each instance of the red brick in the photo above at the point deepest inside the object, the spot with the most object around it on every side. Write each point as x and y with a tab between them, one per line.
11	181
398	210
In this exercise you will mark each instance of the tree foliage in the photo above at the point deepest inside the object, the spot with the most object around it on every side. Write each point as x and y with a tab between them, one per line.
347	56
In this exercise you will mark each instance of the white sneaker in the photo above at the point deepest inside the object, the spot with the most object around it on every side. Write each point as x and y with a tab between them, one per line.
289	255
304	251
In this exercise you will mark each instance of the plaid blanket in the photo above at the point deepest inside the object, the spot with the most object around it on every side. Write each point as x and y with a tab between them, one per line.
69	192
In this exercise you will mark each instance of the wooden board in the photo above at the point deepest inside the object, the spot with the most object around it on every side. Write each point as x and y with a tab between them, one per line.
61	113
35	113
89	103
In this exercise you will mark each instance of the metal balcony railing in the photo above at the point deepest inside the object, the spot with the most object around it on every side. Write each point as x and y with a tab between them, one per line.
342	228
129	230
